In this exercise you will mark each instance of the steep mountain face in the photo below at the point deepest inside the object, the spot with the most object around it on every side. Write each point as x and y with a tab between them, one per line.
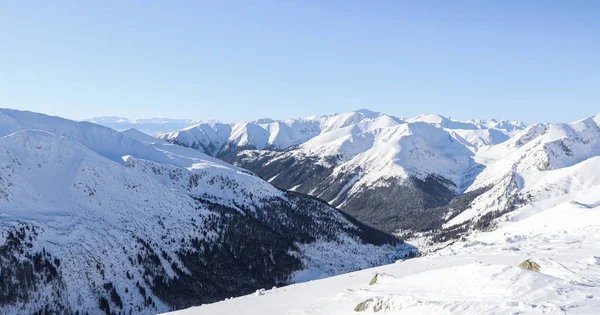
375	176
376	167
151	126
97	221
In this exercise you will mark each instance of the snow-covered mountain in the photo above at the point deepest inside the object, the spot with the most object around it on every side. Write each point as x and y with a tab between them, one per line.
528	157
538	200
373	166
150	126
94	221
219	139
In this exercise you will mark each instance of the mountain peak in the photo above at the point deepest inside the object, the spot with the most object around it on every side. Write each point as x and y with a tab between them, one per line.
430	118
261	121
368	113
138	135
595	118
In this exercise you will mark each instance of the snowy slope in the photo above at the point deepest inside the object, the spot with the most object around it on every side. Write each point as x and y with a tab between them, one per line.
508	166
558	229
421	146
139	136
95	220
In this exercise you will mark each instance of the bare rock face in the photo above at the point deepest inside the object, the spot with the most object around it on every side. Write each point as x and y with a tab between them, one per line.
374	280
363	306
530	265
375	304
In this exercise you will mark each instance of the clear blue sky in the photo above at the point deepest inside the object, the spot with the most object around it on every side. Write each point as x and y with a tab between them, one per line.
239	60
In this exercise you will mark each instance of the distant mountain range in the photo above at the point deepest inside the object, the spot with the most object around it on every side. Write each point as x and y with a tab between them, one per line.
149	126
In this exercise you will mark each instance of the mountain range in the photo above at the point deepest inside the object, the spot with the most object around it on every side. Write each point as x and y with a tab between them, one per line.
381	169
98	220
149	126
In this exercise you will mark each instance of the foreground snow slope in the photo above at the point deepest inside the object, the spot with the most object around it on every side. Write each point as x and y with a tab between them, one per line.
478	275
